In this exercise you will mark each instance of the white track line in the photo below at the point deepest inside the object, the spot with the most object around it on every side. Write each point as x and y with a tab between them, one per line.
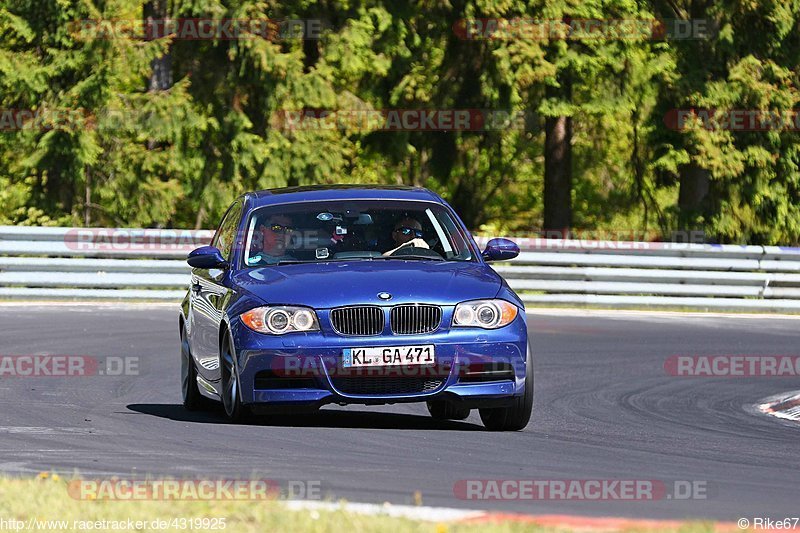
423	513
33	304
562	311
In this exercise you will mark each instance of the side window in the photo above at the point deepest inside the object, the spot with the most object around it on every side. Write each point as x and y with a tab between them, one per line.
226	234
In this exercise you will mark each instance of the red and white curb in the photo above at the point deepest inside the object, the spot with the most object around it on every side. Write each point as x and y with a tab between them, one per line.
785	406
446	514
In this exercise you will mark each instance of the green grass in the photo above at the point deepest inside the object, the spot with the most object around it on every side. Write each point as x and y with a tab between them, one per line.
46	498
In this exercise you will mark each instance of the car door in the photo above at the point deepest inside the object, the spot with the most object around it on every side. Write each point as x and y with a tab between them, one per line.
208	292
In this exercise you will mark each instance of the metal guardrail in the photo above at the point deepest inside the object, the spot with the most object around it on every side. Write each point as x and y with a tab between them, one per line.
96	263
125	264
645	274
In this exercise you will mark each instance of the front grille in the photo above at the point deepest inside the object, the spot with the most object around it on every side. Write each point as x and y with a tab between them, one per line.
415	318
386	386
362	320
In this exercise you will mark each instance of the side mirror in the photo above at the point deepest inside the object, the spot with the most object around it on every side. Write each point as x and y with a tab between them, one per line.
206	257
500	249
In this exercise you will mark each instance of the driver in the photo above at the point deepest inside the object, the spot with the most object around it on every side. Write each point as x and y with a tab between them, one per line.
407	232
273	236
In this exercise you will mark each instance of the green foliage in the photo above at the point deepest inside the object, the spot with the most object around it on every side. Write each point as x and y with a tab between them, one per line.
106	150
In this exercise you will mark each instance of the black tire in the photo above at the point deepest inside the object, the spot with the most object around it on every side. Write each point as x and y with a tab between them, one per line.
231	399
516	416
192	399
444	410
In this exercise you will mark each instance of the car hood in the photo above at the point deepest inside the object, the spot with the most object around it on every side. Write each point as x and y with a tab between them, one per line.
333	284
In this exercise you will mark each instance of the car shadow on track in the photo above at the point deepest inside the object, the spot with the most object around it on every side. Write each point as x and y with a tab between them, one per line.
320	419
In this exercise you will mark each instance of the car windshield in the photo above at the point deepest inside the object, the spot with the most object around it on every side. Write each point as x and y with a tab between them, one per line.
353	230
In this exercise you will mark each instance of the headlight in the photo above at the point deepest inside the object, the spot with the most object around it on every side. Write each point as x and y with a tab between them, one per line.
277	320
487	314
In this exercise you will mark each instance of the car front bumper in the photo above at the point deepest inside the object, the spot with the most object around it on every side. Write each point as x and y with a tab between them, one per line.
474	367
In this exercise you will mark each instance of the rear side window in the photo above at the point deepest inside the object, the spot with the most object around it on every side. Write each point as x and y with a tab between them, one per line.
226	234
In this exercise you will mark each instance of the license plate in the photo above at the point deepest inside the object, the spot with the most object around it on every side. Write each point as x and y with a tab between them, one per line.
389	356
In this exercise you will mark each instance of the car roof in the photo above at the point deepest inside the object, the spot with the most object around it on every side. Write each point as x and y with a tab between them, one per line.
311	193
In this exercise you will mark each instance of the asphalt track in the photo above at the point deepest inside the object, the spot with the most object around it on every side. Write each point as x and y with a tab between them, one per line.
604	409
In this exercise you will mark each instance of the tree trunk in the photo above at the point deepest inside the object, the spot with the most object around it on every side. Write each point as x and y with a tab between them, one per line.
59	190
155	13
694	187
558	168
87	200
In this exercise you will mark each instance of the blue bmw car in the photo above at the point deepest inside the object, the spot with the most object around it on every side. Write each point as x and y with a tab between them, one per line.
353	295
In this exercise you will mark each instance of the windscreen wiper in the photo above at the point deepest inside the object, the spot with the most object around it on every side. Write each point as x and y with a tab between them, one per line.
328	260
291	262
412	257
